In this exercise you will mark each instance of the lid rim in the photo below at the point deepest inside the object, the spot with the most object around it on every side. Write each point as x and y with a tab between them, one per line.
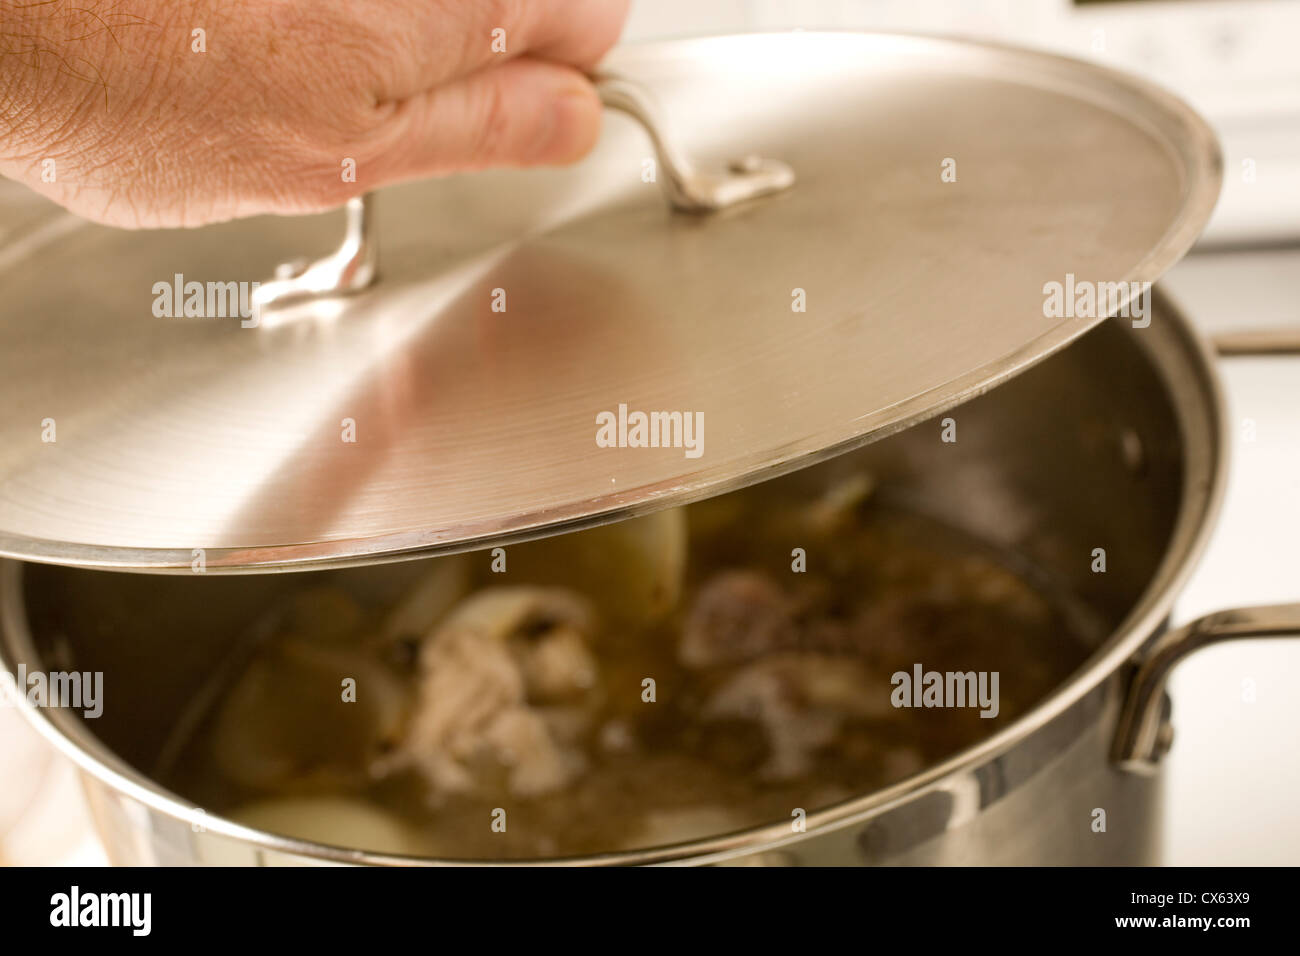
1171	121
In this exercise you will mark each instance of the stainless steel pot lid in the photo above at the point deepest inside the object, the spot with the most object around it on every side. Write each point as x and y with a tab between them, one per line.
498	379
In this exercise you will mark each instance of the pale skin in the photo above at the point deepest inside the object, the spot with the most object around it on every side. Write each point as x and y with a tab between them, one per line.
121	112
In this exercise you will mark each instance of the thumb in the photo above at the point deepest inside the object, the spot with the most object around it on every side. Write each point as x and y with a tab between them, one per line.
522	113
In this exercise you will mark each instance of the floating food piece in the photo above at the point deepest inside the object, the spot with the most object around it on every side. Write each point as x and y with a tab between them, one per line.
334	821
502	686
655	551
801	701
638	566
837	507
433	595
290	724
616	736
737	616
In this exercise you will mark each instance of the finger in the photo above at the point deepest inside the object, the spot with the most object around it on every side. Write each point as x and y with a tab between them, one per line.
448	39
577	33
522	113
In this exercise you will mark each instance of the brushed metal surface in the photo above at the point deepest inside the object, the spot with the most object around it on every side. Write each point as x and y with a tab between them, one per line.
474	425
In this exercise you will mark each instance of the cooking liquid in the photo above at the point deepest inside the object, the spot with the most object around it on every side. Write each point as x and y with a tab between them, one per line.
881	591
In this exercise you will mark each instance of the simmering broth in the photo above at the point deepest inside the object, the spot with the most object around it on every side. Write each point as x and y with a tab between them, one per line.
694	672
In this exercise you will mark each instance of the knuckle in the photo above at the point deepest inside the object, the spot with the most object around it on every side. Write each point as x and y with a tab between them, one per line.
491	139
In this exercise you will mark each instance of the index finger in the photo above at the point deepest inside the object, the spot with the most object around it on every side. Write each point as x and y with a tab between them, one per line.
449	39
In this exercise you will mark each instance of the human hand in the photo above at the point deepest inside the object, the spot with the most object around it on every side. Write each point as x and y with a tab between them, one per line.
144	113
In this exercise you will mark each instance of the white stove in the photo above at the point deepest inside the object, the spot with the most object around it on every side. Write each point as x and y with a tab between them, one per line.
1234	772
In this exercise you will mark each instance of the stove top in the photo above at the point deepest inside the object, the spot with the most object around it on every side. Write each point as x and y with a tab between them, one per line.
1234	774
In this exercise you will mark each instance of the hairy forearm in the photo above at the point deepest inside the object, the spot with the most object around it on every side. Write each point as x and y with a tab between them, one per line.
52	61
80	110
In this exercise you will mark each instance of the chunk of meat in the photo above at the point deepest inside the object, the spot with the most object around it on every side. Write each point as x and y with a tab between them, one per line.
736	617
739	616
802	702
505	689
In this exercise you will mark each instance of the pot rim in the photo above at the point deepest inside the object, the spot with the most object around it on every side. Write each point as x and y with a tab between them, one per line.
1199	506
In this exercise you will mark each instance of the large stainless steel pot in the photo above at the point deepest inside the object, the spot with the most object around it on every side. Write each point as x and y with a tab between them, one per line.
1117	442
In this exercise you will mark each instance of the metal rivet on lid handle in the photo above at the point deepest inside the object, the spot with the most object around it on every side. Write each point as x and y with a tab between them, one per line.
688	188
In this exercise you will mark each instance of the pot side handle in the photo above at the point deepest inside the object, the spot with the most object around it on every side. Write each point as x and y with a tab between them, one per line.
1143	736
687	187
1283	340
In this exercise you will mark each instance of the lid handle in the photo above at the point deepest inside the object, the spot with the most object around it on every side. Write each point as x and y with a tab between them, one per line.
354	265
687	188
